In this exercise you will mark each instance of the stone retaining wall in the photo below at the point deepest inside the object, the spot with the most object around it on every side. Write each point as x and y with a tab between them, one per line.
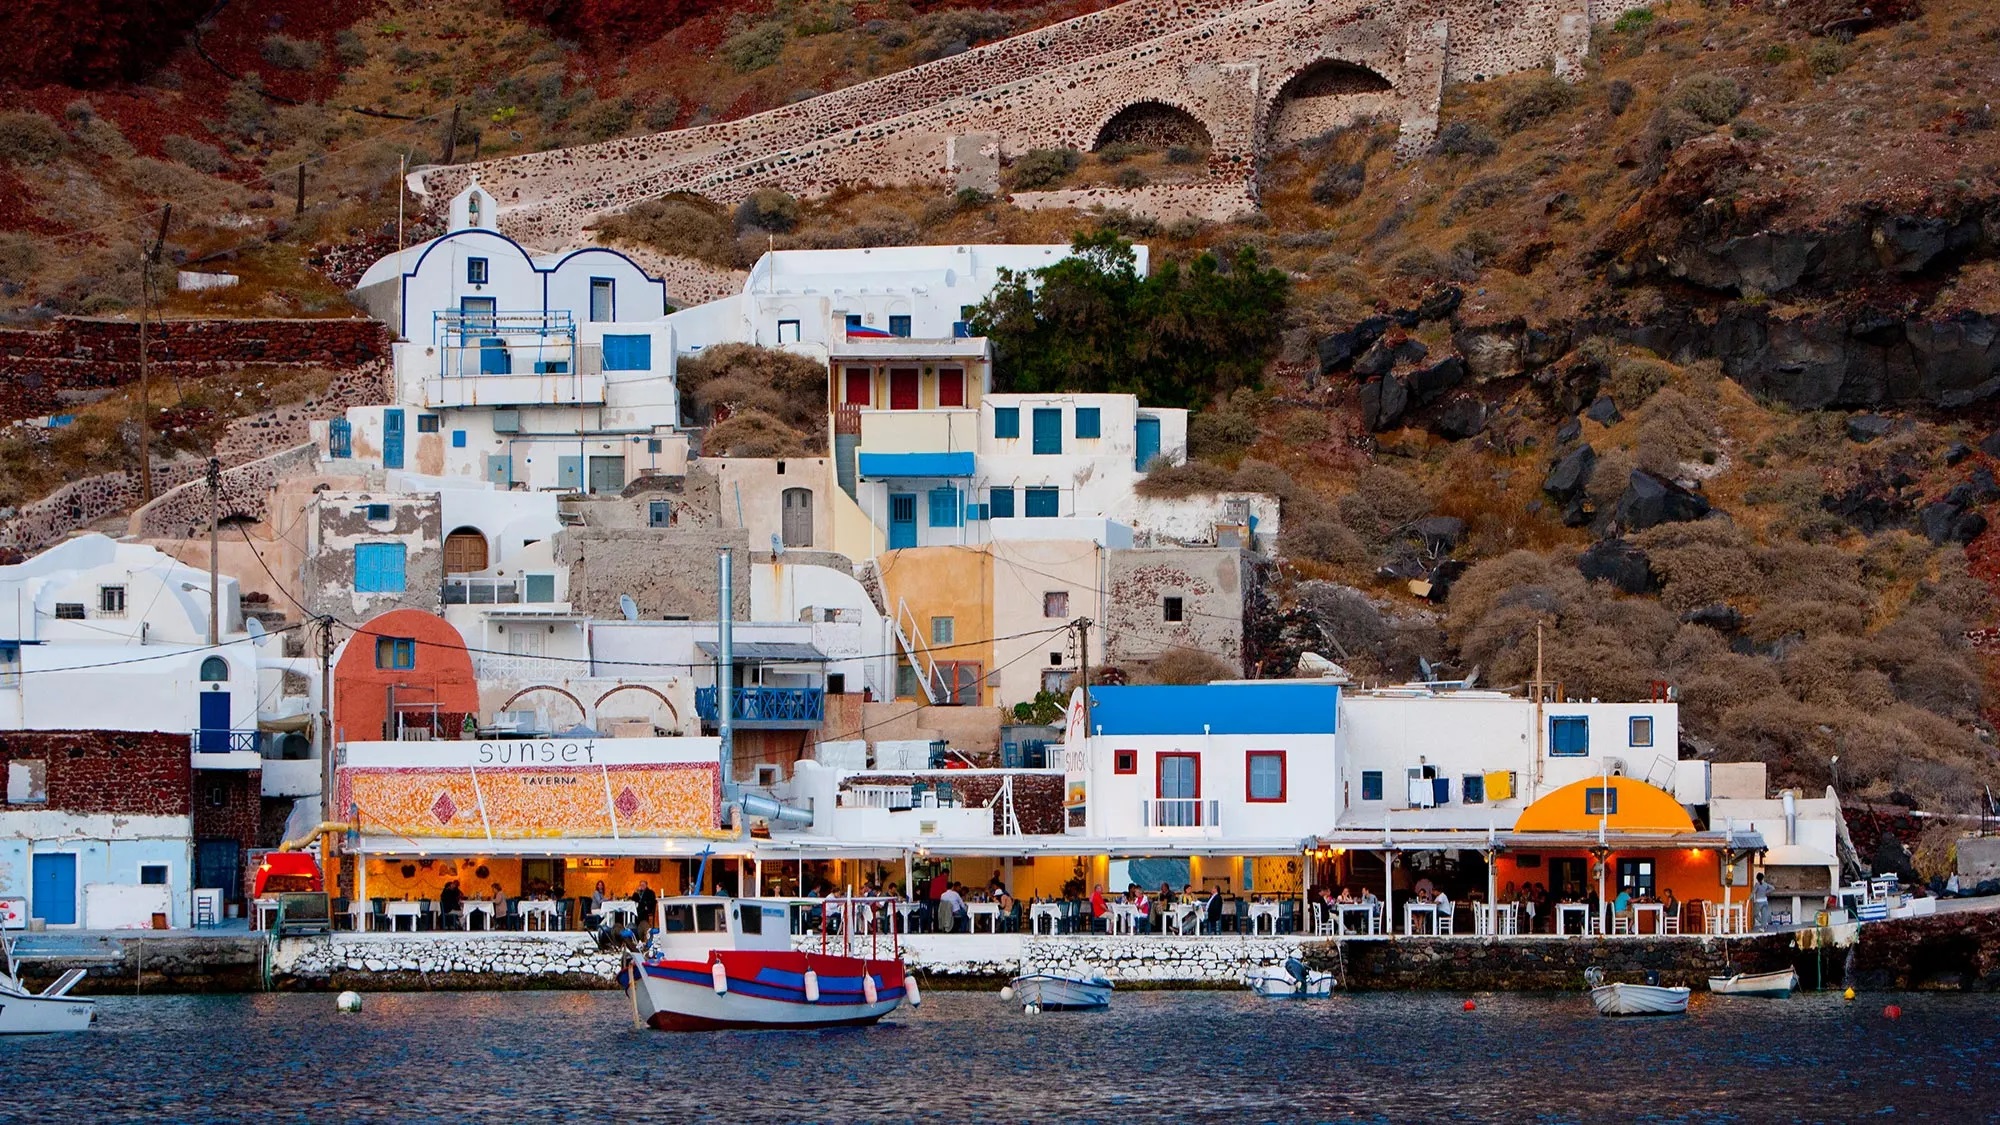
390	962
182	512
1547	964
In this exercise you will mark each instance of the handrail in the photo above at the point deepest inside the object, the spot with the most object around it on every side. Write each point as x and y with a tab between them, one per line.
912	641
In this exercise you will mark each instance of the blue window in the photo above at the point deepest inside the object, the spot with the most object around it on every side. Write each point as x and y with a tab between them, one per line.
458	439
628	353
853	320
378	568
395	652
541	588
1569	736
1006	421
1371	785
944	507
975	512
1087	422
1048	431
340	438
1000	503
1472	788
1044	503
602	306
899	326
475	271
427	423
1600	801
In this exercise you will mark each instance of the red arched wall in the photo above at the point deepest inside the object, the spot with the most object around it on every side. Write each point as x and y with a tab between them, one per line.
442	672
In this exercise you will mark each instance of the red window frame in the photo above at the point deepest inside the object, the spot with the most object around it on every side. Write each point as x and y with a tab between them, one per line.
860	387
1125	761
1160	776
951	386
1284	776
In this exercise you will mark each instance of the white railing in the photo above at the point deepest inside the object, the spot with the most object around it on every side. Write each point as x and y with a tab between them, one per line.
910	636
1180	812
877	797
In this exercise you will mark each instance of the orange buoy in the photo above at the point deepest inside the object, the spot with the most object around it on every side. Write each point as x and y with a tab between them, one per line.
1892	1012
1469	1005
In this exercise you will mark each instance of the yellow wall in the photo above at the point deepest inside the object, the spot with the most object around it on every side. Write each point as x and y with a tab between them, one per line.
954	582
854	534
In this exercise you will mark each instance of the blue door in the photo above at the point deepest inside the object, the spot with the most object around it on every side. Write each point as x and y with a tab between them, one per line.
1048	431
392	439
1441	790
1149	443
214	737
902	520
54	890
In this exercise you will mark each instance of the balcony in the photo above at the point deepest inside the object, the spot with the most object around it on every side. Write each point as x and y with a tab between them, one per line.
461	589
215	748
766	708
1181	816
512	359
919	431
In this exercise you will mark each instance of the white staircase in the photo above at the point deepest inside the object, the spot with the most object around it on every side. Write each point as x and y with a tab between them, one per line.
910	638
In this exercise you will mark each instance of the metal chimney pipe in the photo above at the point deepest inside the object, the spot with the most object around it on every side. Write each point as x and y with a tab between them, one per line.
1791	817
725	672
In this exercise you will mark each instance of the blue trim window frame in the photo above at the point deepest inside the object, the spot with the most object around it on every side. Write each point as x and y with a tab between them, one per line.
396	653
379	568
475	271
1371	785
1000	503
944	506
339	439
628	352
899	326
608	287
1006	422
1639	730
1043	503
1089	422
1569	736
1600	800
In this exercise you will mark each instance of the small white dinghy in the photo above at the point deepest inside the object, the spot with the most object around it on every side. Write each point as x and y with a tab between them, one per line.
1060	991
38	1013
1768	986
1619	999
1290	981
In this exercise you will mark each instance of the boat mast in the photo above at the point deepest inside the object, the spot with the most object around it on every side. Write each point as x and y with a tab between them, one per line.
725	676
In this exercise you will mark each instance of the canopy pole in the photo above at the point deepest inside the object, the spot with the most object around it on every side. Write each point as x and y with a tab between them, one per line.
760	879
1389	892
1492	898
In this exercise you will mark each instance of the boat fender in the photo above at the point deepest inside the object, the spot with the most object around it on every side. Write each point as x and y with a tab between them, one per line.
868	987
812	987
1006	992
910	990
348	1002
1031	1009
721	976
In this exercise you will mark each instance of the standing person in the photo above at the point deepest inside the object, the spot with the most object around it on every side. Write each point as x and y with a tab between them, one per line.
594	913
499	908
645	908
939	885
451	904
1760	902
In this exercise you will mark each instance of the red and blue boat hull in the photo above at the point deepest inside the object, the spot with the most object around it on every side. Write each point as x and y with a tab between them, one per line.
765	990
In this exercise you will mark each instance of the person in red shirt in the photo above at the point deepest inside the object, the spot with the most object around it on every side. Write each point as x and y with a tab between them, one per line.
1097	911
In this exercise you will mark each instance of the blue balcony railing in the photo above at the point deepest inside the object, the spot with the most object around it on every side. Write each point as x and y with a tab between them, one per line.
767	705
217	740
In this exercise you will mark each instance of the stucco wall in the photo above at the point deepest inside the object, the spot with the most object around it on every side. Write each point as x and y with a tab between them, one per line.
1211	583
338	523
668	572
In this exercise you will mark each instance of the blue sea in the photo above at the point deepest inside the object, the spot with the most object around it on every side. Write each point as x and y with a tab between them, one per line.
967	1057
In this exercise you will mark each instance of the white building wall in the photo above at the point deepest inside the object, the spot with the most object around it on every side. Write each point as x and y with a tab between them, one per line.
109	850
1311	785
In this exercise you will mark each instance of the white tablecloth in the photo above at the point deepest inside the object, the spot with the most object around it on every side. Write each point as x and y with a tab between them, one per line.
990	911
909	909
403	909
531	909
1582	911
1367	912
362	913
1412	909
474	906
1261	912
623	909
1124	918
1185	917
1049	910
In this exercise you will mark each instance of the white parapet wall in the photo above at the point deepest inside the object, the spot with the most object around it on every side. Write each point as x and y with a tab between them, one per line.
505	955
1191	960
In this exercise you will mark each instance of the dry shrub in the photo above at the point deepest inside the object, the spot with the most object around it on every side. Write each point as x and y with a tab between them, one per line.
1699	563
789	389
753	433
1809	572
1187	666
1818	671
1323	539
195	154
1632	379
1384	500
768	210
1935	854
159	179
1541	98
1195	478
676	225
1779	620
1892	557
1713	98
1673	428
1691	647
1610	478
28	138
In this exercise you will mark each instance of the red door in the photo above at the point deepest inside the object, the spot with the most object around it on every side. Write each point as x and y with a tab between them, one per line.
903	388
951	386
858	389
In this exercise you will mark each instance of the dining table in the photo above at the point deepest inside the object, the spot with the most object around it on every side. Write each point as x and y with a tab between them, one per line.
621	909
361	915
1657	910
990	911
908	910
1410	912
1366	910
1185	917
403	908
1262	912
267	912
533	908
1052	911
1582	912
1498	918
473	906
1125	918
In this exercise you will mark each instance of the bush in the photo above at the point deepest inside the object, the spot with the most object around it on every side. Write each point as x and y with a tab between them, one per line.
1182	154
1699	563
196	155
245	111
1195	478
1221	434
1826	58
287	53
1542	98
786	388
28	138
349	48
768	210
753	433
1130	178
662	114
755	47
603	120
19	256
676	226
1043	167
1187	666
1673	428
1384	500
1618	96
1632	379
1466	138
1711	98
1326	541
1633	20
1339	183
1118	152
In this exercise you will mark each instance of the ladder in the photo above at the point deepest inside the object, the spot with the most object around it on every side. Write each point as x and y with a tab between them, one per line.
1010	823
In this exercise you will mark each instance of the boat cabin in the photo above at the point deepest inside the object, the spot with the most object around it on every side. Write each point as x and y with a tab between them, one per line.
699	923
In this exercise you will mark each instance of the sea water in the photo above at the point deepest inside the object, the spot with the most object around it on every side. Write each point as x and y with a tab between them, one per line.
1155	1056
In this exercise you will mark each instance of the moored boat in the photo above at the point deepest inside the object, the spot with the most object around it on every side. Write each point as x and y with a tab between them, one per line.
729	963
1066	991
1617	998
1290	981
53	1009
1769	986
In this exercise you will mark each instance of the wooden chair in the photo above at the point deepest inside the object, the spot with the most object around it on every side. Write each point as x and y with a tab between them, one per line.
1697	916
1622	922
1670	921
1447	922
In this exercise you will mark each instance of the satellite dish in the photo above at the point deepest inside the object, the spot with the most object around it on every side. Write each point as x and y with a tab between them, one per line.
628	607
255	628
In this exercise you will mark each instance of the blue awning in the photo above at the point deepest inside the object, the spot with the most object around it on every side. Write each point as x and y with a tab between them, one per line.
878	465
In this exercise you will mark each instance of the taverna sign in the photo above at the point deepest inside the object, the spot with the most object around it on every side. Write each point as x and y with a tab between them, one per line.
530	753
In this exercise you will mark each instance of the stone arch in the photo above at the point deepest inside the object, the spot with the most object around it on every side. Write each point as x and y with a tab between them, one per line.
1156	124
1324	95
673	713
582	715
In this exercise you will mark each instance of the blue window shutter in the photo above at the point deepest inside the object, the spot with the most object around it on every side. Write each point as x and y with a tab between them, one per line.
899	326
340	438
1569	736
944	507
1087	422
1044	503
378	568
1000	503
458	439
541	588
1006	421
628	353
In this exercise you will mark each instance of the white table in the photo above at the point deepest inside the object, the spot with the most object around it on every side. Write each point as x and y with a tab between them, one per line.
1184	917
362	915
1498	918
531	909
1410	912
473	906
620	908
1261	912
267	911
1582	916
974	911
906	909
403	908
1049	910
1657	910
1124	918
1722	919
1343	909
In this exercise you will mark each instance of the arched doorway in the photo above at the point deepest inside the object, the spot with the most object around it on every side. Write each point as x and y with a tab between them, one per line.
464	551
1330	94
1156	126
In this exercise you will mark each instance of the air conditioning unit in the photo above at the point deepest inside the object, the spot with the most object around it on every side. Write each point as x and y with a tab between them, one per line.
1615	766
506	421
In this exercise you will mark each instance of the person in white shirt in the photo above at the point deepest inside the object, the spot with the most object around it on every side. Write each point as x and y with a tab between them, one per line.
954	903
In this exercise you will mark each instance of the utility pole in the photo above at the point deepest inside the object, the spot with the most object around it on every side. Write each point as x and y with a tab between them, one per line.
214	551
451	139
299	208
1083	664
325	623
146	261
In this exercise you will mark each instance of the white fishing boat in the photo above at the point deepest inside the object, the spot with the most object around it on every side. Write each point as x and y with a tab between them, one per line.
1769	986
1616	998
53	1009
1060	991
1289	981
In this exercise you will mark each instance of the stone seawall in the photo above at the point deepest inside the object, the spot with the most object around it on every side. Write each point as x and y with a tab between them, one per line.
1550	965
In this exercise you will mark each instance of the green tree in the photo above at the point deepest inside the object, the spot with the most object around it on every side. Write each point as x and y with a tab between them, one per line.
1091	323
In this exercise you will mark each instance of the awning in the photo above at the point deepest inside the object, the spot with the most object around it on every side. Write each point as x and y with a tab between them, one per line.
766	650
279	724
1797	855
1418	840
878	465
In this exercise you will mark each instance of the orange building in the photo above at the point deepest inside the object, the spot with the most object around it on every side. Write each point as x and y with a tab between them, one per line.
403	669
